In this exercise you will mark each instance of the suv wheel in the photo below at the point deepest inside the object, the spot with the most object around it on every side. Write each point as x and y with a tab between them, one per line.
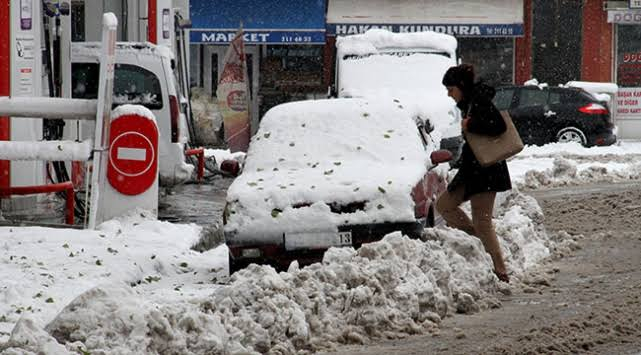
571	134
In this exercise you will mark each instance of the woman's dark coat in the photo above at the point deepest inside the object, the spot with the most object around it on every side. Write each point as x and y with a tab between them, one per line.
485	119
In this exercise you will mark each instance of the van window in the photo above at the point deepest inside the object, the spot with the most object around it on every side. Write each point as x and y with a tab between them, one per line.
132	84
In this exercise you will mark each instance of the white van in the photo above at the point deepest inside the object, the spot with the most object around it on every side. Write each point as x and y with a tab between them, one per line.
407	67
144	76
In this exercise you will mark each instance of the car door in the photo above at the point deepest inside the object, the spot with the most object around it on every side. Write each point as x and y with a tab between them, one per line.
528	114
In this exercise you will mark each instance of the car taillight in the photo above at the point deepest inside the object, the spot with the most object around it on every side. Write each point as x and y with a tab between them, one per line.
594	109
174	110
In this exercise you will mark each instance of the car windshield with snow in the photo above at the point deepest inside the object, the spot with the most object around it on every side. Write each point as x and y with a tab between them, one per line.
544	114
331	173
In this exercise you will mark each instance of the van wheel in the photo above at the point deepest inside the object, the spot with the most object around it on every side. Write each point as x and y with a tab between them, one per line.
571	134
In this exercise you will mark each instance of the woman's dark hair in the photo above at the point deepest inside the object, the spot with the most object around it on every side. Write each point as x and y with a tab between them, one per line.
461	76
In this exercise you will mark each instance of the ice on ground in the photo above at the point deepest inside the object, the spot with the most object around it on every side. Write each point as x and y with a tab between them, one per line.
387	289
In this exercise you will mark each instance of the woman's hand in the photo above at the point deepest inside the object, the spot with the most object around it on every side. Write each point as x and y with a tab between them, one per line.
464	123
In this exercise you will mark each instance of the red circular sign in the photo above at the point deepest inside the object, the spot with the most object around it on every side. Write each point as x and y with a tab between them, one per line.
133	154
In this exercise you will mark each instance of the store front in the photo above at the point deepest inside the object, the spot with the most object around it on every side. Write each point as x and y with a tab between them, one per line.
627	32
486	31
283	41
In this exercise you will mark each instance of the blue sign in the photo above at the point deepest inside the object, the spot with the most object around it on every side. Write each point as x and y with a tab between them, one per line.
264	21
259	37
458	30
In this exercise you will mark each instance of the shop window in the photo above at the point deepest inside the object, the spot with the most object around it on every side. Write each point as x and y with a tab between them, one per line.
298	58
493	58
629	55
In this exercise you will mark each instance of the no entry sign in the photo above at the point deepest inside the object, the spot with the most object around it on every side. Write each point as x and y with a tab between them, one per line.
133	154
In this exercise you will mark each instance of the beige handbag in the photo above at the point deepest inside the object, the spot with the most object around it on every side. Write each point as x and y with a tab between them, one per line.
490	150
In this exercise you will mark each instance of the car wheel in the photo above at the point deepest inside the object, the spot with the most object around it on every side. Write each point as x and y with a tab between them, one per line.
571	134
429	221
235	265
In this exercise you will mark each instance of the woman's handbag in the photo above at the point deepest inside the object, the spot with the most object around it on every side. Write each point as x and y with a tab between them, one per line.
490	150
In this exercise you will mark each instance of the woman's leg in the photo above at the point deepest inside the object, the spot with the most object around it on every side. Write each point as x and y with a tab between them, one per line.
448	206
482	206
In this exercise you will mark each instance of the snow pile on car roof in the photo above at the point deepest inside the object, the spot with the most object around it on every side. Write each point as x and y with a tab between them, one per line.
313	153
405	66
390	288
376	40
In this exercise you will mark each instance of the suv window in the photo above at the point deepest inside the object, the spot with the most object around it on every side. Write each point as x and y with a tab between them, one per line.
533	97
503	98
132	84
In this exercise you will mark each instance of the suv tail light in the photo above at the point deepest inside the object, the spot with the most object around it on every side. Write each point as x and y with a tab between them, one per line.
174	110
594	109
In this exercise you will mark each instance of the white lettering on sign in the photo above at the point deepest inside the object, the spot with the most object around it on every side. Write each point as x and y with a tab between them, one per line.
132	154
624	16
628	102
464	30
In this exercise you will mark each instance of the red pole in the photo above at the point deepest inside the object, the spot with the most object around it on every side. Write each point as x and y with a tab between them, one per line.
66	186
523	47
69	205
5	84
200	152
152	21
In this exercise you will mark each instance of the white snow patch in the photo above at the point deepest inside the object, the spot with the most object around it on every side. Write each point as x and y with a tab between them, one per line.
390	288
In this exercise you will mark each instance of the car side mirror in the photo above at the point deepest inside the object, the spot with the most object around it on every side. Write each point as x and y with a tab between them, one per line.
440	156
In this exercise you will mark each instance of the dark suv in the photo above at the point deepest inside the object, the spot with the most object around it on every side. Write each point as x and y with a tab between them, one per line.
556	114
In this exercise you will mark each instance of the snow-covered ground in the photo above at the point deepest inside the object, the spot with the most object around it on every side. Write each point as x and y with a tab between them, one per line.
135	285
557	164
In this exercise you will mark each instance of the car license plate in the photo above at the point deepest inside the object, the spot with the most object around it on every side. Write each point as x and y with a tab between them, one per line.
317	240
345	238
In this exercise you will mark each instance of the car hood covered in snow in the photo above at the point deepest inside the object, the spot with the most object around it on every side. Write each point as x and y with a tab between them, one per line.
311	156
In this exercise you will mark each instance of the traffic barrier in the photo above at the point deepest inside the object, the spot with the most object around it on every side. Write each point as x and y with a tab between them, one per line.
200	152
67	187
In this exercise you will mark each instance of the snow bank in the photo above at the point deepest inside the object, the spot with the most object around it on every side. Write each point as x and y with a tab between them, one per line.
389	289
221	155
562	164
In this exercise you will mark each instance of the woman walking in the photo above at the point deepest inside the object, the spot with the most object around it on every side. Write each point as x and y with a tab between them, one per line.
474	182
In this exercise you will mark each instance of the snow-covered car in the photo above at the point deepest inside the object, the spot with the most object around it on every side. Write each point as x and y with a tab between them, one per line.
336	172
143	75
408	67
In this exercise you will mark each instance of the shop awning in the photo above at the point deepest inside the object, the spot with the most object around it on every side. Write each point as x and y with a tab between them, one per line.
264	21
490	18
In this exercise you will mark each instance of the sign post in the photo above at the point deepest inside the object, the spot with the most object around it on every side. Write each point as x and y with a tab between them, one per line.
103	116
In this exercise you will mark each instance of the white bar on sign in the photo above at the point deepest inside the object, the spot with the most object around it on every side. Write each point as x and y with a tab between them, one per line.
132	154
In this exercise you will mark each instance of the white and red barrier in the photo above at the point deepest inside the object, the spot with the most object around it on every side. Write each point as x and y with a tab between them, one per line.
123	154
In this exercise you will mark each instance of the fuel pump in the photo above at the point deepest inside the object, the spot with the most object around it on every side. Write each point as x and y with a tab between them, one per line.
57	38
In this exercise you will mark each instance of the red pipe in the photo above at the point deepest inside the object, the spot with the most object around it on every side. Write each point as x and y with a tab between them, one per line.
200	152
42	189
5	84
152	21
